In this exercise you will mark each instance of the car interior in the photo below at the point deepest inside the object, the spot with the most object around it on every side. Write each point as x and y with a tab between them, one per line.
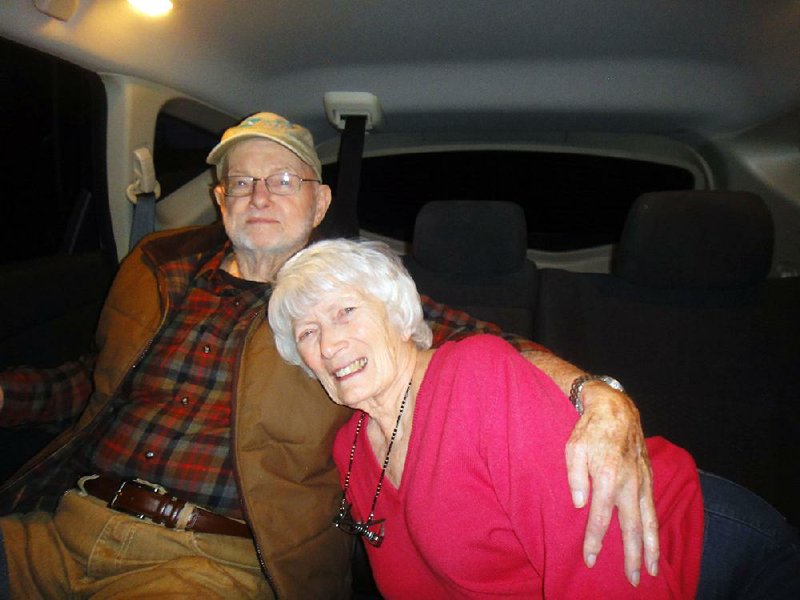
617	181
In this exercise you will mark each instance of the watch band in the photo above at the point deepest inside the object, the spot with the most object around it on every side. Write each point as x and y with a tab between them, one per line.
577	388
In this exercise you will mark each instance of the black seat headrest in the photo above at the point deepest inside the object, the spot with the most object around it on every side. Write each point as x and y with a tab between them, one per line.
697	240
471	236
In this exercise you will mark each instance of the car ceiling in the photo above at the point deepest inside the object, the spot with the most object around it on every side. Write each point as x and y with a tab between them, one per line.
691	68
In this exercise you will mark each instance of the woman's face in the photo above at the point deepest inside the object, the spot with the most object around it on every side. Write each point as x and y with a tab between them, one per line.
347	341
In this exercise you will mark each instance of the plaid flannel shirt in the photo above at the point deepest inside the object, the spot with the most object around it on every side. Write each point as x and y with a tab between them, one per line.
172	417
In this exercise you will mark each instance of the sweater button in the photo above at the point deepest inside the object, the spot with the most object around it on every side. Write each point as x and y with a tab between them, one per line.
149	454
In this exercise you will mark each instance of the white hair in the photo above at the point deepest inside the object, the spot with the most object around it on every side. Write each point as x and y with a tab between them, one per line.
330	265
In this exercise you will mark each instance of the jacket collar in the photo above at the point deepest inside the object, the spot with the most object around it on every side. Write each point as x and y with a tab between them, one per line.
182	244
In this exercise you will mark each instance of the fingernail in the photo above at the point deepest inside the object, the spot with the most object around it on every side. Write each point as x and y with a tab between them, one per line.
653	568
590	560
634	578
578	498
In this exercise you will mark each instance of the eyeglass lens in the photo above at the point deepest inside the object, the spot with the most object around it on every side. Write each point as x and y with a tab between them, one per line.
281	184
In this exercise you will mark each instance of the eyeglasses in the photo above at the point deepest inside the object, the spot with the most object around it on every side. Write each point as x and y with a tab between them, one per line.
280	184
344	521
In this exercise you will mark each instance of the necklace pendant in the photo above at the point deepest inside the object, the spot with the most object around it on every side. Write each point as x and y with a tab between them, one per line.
344	519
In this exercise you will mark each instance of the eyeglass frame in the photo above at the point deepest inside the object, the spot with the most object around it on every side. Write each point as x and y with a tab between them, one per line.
254	181
344	521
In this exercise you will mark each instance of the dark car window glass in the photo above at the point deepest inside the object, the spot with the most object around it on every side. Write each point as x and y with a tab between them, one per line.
571	201
52	126
180	150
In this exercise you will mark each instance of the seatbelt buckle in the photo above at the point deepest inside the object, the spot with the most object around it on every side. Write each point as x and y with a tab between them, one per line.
144	176
341	105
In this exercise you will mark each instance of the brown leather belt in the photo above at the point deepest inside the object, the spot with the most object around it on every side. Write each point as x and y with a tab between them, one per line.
145	500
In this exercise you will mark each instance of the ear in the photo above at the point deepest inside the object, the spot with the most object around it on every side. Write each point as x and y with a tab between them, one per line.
323	203
218	195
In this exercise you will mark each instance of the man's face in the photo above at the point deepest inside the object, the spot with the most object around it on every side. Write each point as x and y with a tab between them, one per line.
264	222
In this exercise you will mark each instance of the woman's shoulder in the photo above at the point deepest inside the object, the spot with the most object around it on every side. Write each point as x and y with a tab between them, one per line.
488	360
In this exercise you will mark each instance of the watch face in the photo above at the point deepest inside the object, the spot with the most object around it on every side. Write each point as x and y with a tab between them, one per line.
613	383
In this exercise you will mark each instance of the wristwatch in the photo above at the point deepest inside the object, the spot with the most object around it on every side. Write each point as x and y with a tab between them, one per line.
577	388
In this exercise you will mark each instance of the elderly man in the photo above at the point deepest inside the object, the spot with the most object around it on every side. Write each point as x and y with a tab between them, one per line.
188	392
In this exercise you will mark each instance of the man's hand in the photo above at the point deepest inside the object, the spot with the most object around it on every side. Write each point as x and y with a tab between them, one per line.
607	445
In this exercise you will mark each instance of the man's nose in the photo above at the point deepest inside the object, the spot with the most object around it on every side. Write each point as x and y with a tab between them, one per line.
261	195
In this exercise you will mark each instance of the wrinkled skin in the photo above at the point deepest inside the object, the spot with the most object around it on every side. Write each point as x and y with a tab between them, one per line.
606	454
607	445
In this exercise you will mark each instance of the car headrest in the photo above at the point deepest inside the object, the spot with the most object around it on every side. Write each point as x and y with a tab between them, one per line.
697	240
471	236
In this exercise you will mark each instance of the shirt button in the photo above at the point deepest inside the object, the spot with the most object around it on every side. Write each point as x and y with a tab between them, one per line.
237	302
206	349
149	455
185	401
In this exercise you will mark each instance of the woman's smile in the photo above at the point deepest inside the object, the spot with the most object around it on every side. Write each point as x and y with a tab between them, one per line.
354	367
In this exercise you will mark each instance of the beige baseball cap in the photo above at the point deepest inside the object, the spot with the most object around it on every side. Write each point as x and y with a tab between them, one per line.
272	127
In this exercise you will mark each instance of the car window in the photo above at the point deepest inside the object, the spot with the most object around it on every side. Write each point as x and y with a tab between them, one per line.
179	151
52	123
571	201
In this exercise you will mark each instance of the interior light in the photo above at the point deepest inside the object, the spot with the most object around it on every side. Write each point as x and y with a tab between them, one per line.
153	8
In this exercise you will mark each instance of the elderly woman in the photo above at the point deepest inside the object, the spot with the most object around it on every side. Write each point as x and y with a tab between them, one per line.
452	465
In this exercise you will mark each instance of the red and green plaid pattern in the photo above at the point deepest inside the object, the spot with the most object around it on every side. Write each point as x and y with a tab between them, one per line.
54	397
172	424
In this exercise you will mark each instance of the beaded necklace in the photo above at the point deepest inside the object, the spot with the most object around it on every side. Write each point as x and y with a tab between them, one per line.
343	519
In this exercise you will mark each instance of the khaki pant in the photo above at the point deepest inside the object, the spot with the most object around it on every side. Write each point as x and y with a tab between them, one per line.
86	550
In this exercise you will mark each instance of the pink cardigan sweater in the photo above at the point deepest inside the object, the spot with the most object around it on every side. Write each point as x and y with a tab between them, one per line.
484	510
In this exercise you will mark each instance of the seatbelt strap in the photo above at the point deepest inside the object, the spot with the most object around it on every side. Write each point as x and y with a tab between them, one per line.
351	149
143	193
144	218
353	113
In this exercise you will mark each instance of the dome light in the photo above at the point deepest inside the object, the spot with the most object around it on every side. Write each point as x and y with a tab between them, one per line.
153	8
